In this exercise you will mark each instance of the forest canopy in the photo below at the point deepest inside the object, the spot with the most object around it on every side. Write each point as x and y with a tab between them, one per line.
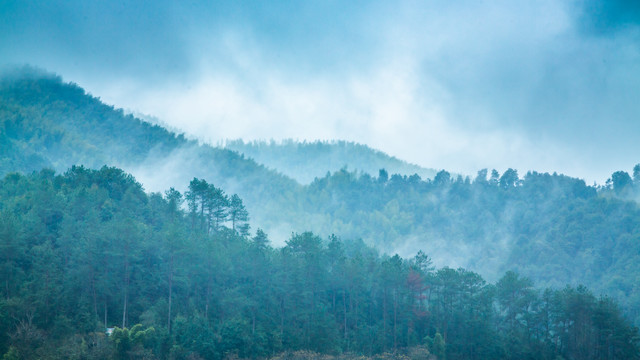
180	276
260	265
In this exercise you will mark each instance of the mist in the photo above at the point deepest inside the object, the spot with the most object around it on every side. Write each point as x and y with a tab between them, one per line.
389	158
542	85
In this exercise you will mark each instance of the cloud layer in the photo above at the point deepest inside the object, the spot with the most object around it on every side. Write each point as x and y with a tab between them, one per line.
543	85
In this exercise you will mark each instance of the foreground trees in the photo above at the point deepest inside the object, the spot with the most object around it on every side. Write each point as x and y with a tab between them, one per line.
88	250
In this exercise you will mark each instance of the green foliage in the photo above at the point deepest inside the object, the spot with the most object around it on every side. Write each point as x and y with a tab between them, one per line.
551	228
89	249
46	123
11	354
107	253
128	342
436	345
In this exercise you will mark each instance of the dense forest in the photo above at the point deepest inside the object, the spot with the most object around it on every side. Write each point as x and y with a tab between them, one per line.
166	266
305	161
181	276
552	228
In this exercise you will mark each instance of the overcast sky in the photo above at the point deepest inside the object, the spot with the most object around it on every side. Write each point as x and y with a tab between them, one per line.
457	85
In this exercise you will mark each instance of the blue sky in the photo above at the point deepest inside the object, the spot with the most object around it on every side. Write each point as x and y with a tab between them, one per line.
533	85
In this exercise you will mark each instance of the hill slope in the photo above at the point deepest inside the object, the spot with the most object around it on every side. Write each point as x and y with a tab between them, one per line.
553	228
89	249
305	161
45	122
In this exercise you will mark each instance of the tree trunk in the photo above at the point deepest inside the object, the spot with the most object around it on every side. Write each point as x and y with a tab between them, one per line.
355	317
384	320
95	299
126	294
105	313
46	301
124	309
208	296
395	318
170	293
202	216
253	322
333	294
282	317
344	302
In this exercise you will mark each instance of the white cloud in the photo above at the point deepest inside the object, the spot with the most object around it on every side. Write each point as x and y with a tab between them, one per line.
460	86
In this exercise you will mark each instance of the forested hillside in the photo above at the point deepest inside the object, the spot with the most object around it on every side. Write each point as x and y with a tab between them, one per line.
552	228
89	249
305	161
45	122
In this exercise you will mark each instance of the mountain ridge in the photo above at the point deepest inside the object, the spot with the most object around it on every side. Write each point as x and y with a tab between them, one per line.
552	228
49	123
305	161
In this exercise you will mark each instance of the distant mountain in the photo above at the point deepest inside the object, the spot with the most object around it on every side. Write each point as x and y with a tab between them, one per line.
306	161
552	228
45	122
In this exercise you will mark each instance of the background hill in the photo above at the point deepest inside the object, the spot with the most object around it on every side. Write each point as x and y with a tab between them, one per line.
552	228
305	161
45	122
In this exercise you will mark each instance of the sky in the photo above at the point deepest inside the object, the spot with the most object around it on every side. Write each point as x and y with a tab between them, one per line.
550	86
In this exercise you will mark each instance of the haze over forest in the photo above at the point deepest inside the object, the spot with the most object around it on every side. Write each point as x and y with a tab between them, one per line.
544	85
319	180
